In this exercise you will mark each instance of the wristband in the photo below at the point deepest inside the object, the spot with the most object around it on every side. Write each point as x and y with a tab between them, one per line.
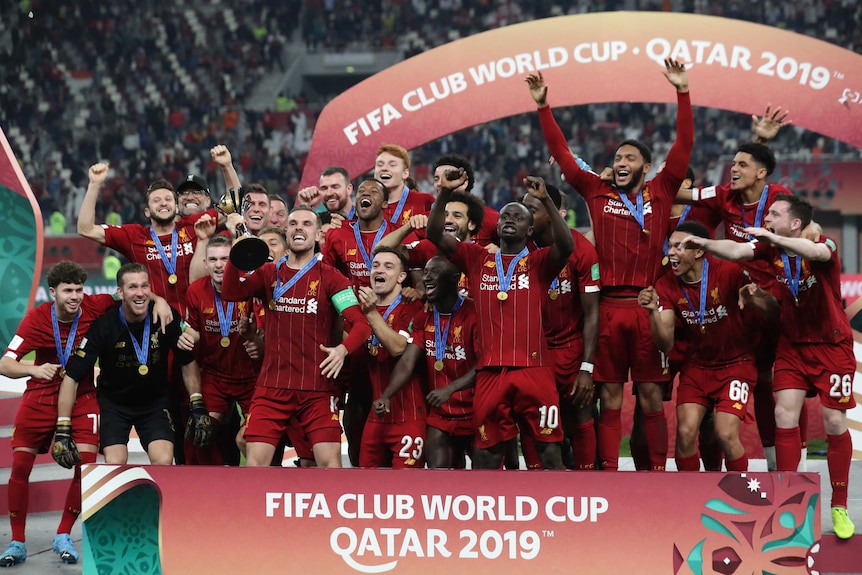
587	366
695	194
195	396
64	420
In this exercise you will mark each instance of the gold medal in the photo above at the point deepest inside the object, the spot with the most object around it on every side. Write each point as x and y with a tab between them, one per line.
796	302
143	369
225	342
502	296
372	351
665	260
172	279
646	231
438	365
702	328
62	372
553	294
272	305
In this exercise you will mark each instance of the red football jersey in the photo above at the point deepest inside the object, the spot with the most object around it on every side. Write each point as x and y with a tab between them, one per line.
136	244
563	315
511	332
416	203
231	362
726	334
487	234
630	254
341	252
418	254
819	316
459	356
36	333
301	321
409	403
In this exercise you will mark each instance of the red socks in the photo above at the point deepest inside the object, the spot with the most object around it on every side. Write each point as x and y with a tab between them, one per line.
584	445
609	437
655	425
690	463
19	492
839	451
73	497
787	449
738	464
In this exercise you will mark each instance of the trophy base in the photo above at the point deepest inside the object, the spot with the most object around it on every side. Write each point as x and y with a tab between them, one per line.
249	253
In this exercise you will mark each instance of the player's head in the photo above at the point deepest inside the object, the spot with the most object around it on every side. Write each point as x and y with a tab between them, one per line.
256	202
788	215
133	287
681	257
277	211
464	215
392	166
276	240
303	225
217	256
161	202
440	277
371	196
388	271
751	165
194	196
632	161
541	217
335	189
515	223
452	162
66	285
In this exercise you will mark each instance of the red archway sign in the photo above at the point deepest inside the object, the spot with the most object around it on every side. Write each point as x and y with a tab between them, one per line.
591	58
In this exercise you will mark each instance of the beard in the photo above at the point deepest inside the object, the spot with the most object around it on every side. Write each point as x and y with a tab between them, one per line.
163	221
634	180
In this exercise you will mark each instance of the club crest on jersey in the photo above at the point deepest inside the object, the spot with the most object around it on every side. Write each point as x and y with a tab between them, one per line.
456	334
716	299
183	235
522	264
312	287
405	216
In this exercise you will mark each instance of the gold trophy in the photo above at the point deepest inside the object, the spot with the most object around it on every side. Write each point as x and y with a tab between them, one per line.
248	252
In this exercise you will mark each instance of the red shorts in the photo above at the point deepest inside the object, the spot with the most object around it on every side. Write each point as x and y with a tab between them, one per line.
458	427
299	440
825	368
727	387
396	445
272	409
566	362
35	423
526	394
220	393
625	343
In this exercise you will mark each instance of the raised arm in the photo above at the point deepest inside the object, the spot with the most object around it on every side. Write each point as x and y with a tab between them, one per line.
679	155
766	128
232	289
446	243
563	244
724	249
87	216
205	227
221	156
817	252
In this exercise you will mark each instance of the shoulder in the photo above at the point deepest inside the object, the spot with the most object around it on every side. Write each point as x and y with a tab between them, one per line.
99	303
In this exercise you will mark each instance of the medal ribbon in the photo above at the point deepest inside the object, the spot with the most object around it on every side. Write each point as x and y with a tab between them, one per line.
63	354
400	207
386	315
704	280
224	317
792	281
380	233
758	216
440	338
142	350
507	277
170	264
280	288
682	218
637	211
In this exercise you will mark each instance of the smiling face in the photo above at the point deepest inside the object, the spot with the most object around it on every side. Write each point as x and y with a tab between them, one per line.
194	201
161	207
440	277
256	211
277	245
387	273
682	259
370	200
277	214
135	295
745	172
216	258
780	220
68	298
457	223
515	223
302	228
335	190
391	170
629	168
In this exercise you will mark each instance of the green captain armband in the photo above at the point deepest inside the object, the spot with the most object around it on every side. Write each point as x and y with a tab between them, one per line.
344	299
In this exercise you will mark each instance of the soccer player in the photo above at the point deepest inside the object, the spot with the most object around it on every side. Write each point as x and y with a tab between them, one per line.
571	328
392	167
277	212
815	348
486	233
394	435
444	340
228	373
630	220
702	294
513	379
303	295
333	194
132	387
53	331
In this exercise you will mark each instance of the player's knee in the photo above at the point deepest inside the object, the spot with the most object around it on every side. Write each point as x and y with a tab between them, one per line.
785	416
834	421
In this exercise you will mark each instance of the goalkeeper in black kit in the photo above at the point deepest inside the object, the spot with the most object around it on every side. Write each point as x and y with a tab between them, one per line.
132	387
